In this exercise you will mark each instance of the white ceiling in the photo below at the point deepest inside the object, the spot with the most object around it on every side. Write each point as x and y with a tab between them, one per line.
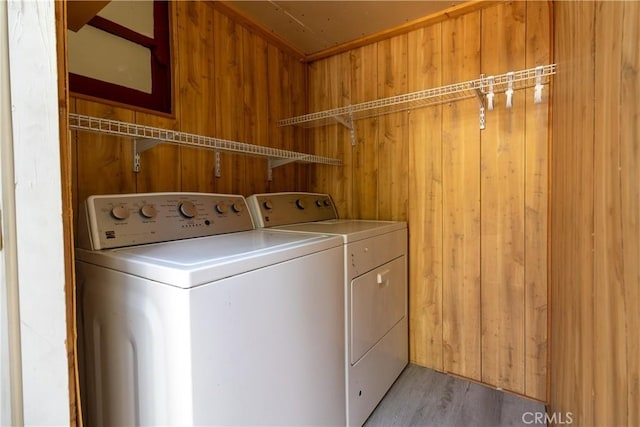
312	26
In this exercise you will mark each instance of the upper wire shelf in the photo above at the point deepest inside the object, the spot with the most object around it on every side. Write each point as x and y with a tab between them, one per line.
148	136
480	88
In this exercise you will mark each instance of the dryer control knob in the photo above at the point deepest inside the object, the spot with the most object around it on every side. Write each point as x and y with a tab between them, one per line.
237	207
319	203
221	208
327	202
148	211
120	212
187	209
268	205
300	204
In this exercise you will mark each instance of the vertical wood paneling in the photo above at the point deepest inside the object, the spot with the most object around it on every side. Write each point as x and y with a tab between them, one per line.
572	161
228	97
333	140
425	201
365	153
502	207
223	89
461	210
630	202
393	148
426	166
283	83
536	206
195	68
105	163
610	374
256	120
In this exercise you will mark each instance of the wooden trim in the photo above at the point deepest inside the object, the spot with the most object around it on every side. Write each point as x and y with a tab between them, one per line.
123	32
136	108
257	28
426	21
66	172
549	199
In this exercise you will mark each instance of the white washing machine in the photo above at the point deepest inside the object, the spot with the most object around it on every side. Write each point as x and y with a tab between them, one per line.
375	284
189	316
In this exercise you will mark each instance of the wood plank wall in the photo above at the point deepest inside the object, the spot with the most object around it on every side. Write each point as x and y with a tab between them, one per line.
230	83
595	223
475	201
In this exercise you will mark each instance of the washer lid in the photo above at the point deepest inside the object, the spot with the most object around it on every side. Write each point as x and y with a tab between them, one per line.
193	262
351	230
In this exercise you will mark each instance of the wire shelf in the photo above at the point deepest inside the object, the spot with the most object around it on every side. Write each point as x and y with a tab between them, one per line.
141	132
423	98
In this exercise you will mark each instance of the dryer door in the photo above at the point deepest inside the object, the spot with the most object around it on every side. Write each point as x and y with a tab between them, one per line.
378	302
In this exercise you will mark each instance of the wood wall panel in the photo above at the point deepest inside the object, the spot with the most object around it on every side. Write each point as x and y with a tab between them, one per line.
195	69
287	98
609	310
425	198
536	209
425	166
502	207
364	62
227	81
333	140
630	204
256	108
595	232
461	199
229	108
393	131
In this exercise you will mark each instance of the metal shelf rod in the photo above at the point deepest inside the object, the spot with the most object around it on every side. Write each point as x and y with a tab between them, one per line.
452	92
138	132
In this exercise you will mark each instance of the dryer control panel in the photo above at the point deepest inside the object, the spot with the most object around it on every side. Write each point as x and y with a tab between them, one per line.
274	209
111	221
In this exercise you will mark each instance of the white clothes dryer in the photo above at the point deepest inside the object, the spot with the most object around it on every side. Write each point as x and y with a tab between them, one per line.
189	316
375	285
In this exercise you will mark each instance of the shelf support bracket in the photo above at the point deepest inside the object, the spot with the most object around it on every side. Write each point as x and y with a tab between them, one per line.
480	97
348	123
217	168
140	146
274	163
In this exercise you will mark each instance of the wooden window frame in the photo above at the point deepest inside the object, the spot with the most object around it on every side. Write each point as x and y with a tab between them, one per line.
160	97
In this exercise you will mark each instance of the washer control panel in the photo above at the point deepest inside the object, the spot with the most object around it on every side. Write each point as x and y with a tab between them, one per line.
274	209
111	221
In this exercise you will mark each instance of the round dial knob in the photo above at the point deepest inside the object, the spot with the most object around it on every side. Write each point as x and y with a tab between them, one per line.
237	207
120	212
187	209
221	208
319	203
327	203
268	205
148	211
300	204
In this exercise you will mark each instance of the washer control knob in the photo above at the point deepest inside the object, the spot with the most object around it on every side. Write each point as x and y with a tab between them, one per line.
319	203
268	205
120	212
221	208
237	207
300	204
327	202
148	211
187	209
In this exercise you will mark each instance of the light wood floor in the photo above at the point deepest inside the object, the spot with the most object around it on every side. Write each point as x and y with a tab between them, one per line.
423	397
